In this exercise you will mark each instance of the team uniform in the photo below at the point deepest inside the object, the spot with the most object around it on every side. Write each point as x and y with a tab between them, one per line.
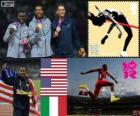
101	82
15	47
21	102
41	41
67	41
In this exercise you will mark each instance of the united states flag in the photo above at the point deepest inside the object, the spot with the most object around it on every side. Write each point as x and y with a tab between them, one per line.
54	87
53	77
6	95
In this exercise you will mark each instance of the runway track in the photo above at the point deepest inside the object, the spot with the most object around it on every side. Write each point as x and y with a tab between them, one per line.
7	110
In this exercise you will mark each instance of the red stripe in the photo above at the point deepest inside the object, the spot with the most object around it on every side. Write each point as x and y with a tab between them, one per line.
59	80
42	71
52	73
123	24
6	87
54	77
127	25
5	93
34	112
62	106
58	59
59	65
53	92
59	87
6	100
60	71
58	84
53	95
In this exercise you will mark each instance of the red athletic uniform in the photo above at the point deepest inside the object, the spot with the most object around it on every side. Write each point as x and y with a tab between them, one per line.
101	82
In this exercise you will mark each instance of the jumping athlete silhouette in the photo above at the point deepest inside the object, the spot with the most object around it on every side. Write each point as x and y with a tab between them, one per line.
115	17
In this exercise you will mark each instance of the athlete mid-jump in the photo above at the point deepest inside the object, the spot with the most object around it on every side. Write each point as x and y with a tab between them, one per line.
102	82
116	18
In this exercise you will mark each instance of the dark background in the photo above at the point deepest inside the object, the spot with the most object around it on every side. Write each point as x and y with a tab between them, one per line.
76	9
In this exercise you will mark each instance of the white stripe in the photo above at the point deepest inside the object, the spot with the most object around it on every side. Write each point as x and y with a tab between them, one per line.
6	97
6	90
53	106
59	60
59	82
53	88
63	63
48	69
52	94
59	85
55	72
59	66
58	75
53	91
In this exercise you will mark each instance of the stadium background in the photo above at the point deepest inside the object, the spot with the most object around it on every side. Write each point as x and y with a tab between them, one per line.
127	89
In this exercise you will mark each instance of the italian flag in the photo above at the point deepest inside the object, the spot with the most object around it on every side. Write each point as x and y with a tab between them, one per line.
53	106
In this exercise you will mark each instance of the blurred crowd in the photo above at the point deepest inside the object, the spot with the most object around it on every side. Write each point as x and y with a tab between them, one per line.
76	9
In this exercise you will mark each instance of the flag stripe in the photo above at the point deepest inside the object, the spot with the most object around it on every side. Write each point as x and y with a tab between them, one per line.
53	106
54	85
59	75
5	100
59	63
54	72
5	86
53	94
58	60
6	95
59	66
6	90
46	92
59	79
53	69
53	89
62	106
44	106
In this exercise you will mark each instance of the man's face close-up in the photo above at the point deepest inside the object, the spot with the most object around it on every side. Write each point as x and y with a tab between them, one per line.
21	17
61	11
23	71
39	12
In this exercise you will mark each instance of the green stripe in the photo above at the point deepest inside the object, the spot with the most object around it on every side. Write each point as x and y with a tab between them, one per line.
44	106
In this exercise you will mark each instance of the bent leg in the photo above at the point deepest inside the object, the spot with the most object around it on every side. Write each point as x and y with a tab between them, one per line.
122	19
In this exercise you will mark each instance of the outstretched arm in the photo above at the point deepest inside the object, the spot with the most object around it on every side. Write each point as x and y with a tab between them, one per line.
97	8
90	71
112	78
